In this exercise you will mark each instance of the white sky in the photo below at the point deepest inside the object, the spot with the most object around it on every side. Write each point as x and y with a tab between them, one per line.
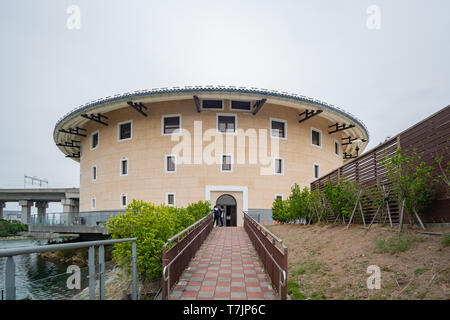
389	78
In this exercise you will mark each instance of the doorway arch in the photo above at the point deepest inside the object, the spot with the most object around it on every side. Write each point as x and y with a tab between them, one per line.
229	206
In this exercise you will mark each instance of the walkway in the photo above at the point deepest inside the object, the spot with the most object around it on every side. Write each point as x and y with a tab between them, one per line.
225	267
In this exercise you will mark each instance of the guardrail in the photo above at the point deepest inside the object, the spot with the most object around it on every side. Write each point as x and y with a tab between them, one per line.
58	219
10	270
187	242
274	259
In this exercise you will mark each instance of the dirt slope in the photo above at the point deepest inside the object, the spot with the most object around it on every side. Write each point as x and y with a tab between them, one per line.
330	262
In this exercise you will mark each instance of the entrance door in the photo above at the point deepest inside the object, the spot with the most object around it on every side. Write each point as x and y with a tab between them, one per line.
228	204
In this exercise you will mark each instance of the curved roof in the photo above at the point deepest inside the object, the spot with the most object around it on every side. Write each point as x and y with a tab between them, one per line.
332	113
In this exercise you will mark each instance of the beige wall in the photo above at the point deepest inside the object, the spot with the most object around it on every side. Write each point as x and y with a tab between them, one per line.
147	180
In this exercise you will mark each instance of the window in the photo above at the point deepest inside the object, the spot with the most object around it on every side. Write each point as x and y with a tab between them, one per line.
226	123
279	196
124	131
94	173
123	200
279	166
316	137
170	199
212	104
170	164
316	171
93	203
336	148
240	105
278	128
94	140
123	167
171	124
227	163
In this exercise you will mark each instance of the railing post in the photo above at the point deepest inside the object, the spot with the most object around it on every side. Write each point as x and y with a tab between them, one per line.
10	279
285	266
101	272
134	261
91	273
165	290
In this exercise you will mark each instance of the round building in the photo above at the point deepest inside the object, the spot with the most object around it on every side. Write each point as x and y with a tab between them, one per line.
236	147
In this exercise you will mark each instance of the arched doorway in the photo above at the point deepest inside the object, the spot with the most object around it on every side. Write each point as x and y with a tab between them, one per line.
228	205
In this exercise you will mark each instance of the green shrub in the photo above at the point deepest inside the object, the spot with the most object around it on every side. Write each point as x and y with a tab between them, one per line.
152	226
341	197
11	228
280	210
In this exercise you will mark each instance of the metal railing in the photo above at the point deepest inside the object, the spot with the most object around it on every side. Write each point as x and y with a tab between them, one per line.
274	259
58	219
10	270
187	242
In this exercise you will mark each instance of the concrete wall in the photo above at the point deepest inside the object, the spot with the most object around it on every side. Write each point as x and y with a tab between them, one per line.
145	152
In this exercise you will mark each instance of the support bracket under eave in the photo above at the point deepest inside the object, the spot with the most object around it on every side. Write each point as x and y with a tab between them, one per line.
74	155
340	127
138	106
350	140
70	144
197	104
96	118
309	114
75	132
258	105
350	156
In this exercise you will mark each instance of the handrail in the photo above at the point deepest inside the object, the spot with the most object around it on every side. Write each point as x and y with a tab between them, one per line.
10	267
63	246
282	270
182	251
265	230
179	234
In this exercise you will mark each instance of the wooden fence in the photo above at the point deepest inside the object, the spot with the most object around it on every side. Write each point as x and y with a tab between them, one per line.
430	136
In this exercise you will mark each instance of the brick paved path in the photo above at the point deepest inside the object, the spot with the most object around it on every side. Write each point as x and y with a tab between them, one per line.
225	267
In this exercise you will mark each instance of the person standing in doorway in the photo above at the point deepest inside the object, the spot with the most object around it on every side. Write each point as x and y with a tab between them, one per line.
222	213
216	212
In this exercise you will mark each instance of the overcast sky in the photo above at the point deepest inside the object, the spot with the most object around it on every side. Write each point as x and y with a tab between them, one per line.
390	77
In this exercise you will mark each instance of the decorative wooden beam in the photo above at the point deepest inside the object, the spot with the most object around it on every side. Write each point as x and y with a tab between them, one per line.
197	103
138	106
73	155
350	140
258	105
349	156
96	117
71	144
309	114
340	127
75	131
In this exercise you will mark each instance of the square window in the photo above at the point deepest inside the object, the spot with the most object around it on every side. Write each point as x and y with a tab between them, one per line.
279	196
123	200
170	164
226	123
170	199
171	124
94	140
278	129
240	105
212	104
279	166
125	131
316	171
316	138
124	167
226	162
